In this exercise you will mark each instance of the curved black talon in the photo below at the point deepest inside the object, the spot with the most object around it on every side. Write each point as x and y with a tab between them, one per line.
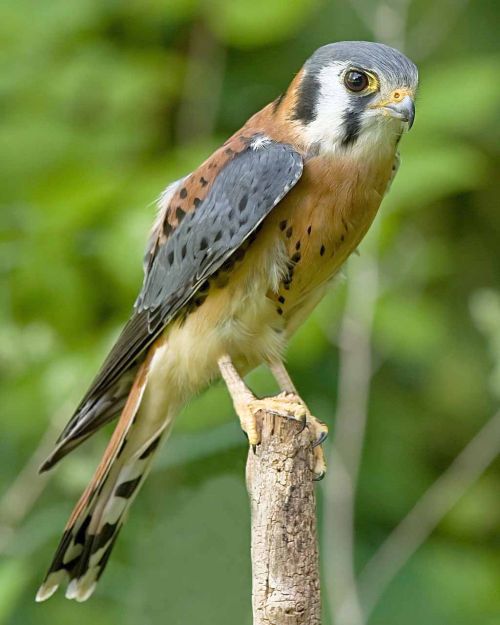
254	449
304	423
323	436
319	477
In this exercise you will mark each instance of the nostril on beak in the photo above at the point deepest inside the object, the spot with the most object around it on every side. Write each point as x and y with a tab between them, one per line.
403	109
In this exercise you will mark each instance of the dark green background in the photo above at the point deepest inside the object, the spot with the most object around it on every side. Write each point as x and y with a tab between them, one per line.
102	103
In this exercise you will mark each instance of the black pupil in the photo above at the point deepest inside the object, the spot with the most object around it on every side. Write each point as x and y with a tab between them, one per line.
356	81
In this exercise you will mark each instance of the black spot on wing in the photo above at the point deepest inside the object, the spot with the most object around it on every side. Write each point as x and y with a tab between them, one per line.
242	194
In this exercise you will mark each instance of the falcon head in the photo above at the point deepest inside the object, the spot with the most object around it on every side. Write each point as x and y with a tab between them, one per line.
354	94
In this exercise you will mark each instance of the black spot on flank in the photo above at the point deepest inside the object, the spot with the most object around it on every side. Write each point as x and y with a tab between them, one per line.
179	213
199	301
170	258
289	232
309	230
203	244
183	193
104	536
283	224
322	250
183	251
305	109
222	281
279	310
196	201
229	151
281	299
167	228
342	238
203	182
218	236
296	257
204	286
243	203
150	448
243	220
286	285
230	215
239	253
228	264
297	245
126	489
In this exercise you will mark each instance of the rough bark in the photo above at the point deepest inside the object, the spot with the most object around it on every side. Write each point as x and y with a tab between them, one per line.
285	567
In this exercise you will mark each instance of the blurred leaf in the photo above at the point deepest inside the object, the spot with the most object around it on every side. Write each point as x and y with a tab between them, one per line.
248	23
431	171
13	577
460	95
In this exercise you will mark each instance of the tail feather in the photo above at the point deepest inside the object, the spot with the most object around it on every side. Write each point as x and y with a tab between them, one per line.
96	520
90	416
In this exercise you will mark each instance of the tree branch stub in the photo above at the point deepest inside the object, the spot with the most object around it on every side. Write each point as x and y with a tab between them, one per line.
285	563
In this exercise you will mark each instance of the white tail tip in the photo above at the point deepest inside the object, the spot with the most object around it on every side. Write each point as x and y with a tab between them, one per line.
79	591
45	592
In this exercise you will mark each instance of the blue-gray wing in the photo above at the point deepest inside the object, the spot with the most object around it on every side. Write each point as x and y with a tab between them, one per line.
243	193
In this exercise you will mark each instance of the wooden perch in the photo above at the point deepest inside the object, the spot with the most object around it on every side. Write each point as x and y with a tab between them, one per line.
285	566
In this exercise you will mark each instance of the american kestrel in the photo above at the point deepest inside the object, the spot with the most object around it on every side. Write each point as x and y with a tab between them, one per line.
242	250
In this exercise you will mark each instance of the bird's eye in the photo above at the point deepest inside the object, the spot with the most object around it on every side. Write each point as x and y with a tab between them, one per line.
356	81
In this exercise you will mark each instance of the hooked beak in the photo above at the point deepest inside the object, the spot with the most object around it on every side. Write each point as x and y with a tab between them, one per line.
403	110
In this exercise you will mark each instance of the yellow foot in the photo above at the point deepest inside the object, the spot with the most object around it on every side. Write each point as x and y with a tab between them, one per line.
319	468
289	406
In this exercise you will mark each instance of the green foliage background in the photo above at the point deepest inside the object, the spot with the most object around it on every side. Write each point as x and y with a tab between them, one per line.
102	103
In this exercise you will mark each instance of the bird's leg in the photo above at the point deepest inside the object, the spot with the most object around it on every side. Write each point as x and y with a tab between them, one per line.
318	429
247	406
242	398
287	404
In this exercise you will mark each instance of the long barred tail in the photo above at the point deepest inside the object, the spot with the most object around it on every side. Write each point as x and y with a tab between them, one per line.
95	522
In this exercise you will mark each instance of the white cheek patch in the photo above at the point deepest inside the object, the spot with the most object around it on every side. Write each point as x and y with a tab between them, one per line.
327	128
378	135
